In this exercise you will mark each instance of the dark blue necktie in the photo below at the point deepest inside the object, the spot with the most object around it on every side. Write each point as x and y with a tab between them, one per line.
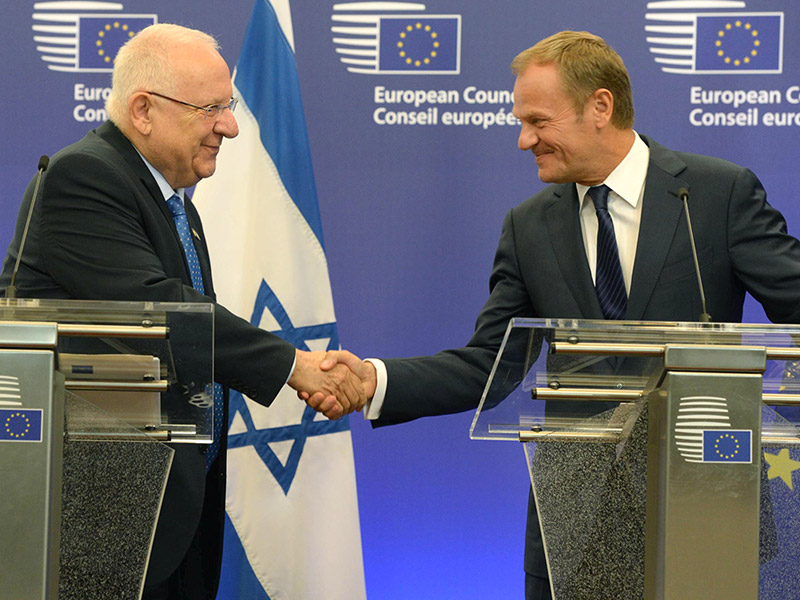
609	283
185	233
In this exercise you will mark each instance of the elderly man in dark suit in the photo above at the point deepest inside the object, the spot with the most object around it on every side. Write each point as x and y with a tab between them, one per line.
113	223
607	240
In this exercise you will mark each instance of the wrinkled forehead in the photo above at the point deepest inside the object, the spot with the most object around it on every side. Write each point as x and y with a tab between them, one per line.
539	82
198	69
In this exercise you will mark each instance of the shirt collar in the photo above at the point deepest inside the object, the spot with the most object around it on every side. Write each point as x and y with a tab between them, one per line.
627	179
161	181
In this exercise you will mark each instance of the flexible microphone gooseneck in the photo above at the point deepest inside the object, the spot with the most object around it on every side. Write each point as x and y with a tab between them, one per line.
683	194
11	290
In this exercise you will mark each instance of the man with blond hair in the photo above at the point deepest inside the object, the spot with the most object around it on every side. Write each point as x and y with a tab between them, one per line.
611	189
113	223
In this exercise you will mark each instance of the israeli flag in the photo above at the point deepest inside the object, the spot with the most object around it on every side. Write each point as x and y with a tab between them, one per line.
287	466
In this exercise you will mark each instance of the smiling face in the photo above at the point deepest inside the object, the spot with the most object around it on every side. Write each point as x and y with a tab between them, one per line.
182	143
565	143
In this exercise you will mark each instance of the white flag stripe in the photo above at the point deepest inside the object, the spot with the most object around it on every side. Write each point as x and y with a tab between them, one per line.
294	247
284	15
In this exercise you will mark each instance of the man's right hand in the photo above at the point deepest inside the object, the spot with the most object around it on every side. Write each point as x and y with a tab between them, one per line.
364	370
334	361
330	382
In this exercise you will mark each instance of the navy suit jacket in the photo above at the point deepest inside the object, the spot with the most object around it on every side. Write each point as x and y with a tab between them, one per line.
101	230
541	270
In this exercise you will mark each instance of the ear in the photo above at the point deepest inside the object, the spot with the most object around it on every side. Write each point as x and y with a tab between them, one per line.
602	103
139	106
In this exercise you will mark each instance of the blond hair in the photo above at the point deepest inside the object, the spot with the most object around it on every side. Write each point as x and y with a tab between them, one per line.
586	63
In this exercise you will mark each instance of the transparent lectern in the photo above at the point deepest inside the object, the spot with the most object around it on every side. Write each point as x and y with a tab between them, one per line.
89	393
661	455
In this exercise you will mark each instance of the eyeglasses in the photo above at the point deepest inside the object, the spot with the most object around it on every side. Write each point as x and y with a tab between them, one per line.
212	111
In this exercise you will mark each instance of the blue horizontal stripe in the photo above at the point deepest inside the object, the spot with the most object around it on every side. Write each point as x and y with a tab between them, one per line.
266	76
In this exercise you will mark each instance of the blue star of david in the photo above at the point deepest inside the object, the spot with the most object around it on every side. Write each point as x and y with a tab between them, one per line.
260	439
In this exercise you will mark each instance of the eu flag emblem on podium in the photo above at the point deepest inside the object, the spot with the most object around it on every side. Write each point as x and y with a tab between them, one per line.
727	446
20	425
739	43
420	44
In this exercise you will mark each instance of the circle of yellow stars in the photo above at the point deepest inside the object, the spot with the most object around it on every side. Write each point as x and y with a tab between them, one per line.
102	34
781	465
426	30
11	418
731	28
725	455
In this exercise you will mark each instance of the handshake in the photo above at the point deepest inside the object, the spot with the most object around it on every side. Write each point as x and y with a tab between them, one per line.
334	383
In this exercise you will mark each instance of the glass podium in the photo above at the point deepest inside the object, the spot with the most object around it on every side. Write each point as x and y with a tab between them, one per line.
661	455
89	394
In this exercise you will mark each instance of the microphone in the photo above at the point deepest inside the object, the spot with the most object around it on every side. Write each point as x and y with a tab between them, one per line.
683	194
44	161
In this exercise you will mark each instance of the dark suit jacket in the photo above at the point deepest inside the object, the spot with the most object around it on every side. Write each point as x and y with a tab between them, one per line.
540	270
101	230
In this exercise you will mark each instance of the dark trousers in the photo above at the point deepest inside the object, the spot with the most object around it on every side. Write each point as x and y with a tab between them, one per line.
190	581
537	588
197	576
163	591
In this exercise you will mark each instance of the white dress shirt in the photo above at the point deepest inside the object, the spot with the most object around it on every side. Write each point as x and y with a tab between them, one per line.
625	207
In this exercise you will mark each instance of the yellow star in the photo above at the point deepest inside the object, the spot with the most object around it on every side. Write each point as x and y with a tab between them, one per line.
780	465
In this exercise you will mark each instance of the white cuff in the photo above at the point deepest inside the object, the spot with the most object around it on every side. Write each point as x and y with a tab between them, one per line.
291	371
372	410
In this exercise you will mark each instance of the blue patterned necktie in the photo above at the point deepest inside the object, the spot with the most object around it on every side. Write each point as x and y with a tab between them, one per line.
609	283
178	212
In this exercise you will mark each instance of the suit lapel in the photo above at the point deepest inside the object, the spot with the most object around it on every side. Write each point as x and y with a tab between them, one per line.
563	224
661	211
113	136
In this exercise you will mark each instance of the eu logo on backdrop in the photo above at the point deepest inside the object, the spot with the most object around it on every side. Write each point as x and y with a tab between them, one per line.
727	446
396	38
100	38
21	425
739	42
83	36
418	44
690	37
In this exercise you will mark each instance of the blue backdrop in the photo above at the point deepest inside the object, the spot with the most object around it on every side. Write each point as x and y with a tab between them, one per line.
416	164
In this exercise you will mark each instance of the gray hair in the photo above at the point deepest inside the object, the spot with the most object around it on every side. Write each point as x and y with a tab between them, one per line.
143	64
